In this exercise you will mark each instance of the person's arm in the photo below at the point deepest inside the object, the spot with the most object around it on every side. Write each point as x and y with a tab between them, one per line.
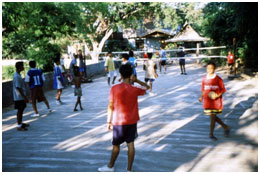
110	109
201	97
22	94
134	79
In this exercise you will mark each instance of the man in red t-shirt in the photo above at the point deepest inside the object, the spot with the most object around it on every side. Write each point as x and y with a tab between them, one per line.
231	60
123	115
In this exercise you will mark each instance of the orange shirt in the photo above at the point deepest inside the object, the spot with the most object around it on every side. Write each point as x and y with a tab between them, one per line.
212	84
124	97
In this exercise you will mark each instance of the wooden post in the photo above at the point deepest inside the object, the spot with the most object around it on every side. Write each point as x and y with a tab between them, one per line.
234	52
198	52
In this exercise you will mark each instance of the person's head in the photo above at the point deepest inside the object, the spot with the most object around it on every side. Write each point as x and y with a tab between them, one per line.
109	54
229	52
126	70
80	51
19	66
57	61
211	66
32	64
150	55
131	53
125	57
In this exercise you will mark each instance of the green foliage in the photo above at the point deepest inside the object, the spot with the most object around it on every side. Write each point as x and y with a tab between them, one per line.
227	20
43	53
8	72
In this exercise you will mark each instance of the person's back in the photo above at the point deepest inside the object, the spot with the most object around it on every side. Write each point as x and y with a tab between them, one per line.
149	70
125	103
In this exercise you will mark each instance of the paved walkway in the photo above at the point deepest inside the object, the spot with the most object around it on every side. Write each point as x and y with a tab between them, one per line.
173	132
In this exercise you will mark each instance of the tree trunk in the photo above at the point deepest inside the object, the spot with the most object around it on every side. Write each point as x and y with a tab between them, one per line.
97	47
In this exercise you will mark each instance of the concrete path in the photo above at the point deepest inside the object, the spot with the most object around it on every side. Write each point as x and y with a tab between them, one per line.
173	132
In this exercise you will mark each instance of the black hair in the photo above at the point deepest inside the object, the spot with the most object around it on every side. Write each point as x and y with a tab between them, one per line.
18	64
150	55
109	52
126	56
32	64
211	63
131	53
56	60
126	70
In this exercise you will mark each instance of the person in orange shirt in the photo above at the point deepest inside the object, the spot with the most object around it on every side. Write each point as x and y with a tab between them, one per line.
231	61
123	115
212	107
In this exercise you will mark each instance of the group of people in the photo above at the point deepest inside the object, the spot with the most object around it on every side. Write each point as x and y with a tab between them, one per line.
122	112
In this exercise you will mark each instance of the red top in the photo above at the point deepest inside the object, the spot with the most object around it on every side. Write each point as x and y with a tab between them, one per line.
124	97
212	84
145	55
230	58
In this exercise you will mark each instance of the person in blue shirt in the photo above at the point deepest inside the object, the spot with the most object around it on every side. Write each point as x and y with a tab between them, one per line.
35	79
163	59
133	61
58	81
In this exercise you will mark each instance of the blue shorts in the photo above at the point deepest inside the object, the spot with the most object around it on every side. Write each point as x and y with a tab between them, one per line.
148	79
122	133
81	69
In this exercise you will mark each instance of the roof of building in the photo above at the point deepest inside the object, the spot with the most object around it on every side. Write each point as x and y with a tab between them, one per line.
187	34
154	31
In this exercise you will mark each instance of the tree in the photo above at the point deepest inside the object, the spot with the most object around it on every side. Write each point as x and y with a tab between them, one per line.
225	21
99	20
31	27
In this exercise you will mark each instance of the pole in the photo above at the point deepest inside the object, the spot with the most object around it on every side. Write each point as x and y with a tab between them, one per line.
198	52
234	51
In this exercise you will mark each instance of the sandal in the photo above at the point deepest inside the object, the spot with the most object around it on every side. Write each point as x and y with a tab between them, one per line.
213	137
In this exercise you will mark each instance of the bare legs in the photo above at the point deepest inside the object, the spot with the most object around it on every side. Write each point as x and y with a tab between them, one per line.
213	120
35	106
78	102
59	91
115	152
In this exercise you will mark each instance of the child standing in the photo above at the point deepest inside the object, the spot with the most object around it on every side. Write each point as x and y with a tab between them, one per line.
58	81
150	72
110	68
19	95
35	79
212	107
123	115
77	90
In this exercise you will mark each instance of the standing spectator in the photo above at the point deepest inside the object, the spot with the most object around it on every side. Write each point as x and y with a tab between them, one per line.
123	116
19	96
213	106
77	90
231	60
35	79
110	68
163	59
82	64
125	58
182	60
58	81
132	60
73	64
150	72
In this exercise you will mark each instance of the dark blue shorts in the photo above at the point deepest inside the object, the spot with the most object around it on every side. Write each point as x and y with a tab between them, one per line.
147	79
122	133
20	105
81	69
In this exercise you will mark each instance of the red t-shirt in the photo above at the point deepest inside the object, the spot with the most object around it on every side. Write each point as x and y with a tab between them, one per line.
212	84
230	58
124	97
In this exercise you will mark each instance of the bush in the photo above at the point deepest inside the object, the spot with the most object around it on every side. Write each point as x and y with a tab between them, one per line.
43	53
8	71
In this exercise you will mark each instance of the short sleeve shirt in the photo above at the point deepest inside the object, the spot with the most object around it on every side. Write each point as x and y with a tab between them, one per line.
125	100
212	84
149	71
230	58
110	64
34	77
163	55
18	83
